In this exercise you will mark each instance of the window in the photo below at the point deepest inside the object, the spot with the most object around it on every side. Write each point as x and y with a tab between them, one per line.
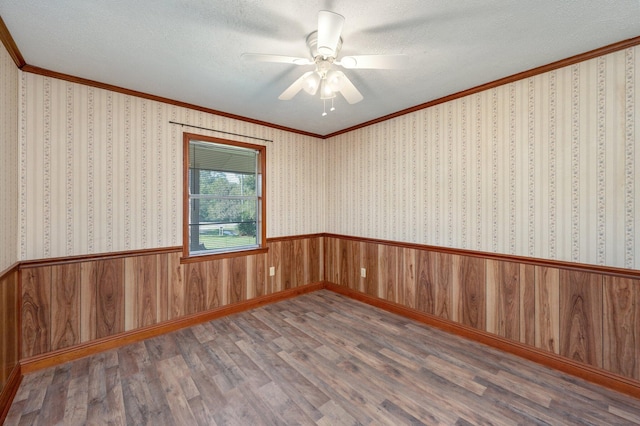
224	203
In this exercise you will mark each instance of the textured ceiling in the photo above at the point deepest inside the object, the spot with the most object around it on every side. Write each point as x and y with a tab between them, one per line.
190	50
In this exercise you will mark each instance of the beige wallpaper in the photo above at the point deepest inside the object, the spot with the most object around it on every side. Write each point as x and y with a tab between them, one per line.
543	167
8	160
102	171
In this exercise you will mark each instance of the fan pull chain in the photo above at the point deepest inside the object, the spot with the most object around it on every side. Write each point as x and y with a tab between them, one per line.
324	108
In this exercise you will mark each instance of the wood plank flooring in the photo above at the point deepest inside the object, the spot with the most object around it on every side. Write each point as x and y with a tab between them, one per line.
320	359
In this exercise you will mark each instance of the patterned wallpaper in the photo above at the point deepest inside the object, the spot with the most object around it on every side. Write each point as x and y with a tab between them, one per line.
543	167
102	171
8	160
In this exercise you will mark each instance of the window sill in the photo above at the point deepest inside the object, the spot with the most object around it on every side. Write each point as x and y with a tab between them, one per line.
227	255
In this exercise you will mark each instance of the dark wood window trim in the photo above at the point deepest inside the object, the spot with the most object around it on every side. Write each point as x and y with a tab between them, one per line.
262	238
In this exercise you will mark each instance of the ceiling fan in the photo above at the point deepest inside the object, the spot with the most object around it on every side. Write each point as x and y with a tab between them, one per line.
324	47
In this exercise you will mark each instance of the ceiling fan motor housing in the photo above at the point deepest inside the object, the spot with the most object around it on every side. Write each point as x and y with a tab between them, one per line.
312	43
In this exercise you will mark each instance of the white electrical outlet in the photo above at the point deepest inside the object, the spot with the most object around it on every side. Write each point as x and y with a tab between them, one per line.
363	272
272	271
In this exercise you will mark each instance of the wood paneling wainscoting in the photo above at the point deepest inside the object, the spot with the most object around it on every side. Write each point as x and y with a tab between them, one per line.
582	319
585	314
70	302
10	374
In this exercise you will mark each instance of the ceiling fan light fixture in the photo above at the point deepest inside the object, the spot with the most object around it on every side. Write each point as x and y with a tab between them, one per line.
325	90
335	80
311	83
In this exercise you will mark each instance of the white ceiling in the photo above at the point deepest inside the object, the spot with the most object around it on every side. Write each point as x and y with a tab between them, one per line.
189	50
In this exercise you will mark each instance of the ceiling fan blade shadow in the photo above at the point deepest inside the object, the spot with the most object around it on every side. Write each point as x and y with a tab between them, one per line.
260	57
375	61
348	90
293	90
397	26
435	19
329	30
263	21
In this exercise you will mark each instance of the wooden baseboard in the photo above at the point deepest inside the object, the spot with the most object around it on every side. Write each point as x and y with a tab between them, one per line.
96	346
9	391
552	360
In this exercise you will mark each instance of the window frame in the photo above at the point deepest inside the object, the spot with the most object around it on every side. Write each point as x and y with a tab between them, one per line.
187	257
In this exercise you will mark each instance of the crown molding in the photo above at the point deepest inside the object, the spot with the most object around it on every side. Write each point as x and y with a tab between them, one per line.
10	45
92	83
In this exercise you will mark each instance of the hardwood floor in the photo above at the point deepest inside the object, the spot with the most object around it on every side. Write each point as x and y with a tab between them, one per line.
321	359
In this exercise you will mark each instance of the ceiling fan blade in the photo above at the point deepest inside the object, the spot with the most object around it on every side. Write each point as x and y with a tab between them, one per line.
375	61
348	90
329	30
293	90
259	57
